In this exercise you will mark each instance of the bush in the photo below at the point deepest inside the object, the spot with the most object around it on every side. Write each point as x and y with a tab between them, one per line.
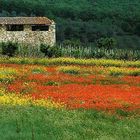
9	48
50	51
108	43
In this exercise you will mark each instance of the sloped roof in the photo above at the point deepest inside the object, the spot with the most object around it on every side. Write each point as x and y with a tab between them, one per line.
25	20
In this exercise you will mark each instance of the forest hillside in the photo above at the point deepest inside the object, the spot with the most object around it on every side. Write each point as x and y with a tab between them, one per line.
84	20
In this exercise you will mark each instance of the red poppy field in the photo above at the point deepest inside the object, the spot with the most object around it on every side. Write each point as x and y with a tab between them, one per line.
73	87
96	100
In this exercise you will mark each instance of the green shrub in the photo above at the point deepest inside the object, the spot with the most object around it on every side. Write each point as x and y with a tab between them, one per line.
9	48
108	43
50	51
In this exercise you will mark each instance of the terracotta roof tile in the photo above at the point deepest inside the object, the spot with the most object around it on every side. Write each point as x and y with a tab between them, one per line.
25	20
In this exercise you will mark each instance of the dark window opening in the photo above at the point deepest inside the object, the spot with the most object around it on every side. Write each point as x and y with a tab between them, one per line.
40	27
14	27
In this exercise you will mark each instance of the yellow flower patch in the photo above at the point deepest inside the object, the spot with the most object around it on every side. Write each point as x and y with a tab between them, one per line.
14	100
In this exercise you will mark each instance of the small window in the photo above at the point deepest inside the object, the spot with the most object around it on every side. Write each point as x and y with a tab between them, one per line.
40	27
14	27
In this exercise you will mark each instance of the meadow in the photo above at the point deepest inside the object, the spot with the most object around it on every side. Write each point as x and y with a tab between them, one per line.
68	98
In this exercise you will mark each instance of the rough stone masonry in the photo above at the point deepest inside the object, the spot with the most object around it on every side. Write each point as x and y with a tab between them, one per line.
28	30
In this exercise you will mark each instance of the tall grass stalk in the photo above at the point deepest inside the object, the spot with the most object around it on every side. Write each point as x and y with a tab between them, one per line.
94	52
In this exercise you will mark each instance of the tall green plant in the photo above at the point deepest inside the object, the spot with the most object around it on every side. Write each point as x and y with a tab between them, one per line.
9	48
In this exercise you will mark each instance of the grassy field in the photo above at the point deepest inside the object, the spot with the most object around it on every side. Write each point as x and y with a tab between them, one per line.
67	98
36	123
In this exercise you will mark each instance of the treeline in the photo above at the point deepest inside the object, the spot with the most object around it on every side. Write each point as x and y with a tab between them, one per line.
84	20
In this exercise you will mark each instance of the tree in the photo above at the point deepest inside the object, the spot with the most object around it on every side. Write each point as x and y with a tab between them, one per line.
108	43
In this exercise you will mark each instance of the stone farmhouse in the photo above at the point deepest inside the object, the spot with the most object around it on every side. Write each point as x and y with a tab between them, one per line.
27	30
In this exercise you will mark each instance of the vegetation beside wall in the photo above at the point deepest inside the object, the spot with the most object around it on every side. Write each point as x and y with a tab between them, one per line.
68	50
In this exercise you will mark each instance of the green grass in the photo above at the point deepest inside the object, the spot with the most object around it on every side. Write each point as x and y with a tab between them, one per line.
37	70
35	123
113	71
51	83
70	69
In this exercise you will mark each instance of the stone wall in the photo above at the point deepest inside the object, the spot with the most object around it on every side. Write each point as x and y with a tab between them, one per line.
28	36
